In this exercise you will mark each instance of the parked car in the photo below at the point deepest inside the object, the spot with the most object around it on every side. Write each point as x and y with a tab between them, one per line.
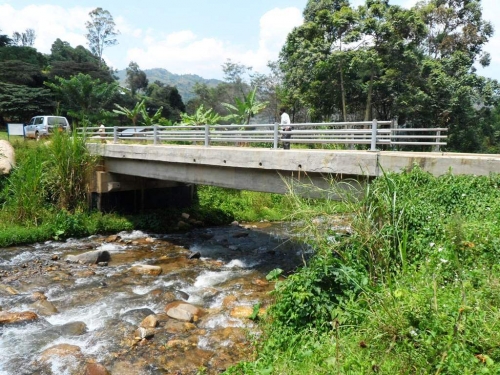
43	126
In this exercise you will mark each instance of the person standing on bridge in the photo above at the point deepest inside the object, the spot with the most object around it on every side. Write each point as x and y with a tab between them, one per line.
285	122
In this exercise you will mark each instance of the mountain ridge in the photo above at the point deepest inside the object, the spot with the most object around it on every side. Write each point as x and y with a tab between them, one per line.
184	82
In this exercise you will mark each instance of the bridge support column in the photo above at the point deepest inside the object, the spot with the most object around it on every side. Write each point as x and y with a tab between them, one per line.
133	194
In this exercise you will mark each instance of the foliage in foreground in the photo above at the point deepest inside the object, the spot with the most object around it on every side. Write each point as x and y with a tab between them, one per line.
45	198
413	290
45	195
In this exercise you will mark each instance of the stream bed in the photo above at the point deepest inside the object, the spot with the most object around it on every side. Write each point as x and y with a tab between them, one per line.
149	304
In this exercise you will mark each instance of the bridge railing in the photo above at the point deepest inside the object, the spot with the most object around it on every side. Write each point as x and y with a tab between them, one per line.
373	133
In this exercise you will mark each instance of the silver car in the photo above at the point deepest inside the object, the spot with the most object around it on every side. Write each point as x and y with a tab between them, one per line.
42	126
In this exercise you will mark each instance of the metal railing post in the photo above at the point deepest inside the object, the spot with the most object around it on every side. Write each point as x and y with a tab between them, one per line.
207	135
155	134
394	125
374	135
436	147
115	134
275	136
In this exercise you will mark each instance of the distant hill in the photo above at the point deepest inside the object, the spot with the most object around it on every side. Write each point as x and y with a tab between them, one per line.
183	82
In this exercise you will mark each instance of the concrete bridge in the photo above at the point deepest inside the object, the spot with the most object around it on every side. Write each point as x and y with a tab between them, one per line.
139	167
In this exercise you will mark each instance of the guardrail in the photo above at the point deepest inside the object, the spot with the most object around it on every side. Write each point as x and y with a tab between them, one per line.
371	133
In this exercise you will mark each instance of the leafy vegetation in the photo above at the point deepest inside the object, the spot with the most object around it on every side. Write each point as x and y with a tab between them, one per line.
412	288
46	194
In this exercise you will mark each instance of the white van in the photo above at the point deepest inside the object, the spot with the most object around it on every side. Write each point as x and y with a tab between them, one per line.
42	126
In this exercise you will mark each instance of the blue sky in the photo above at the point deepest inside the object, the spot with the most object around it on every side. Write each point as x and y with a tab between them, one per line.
187	36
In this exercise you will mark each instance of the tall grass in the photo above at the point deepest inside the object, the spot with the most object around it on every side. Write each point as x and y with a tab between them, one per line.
45	195
413	288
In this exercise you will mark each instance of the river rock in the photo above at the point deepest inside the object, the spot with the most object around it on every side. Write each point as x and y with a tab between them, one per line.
96	369
44	307
146	269
17	317
194	255
245	312
127	368
84	273
240	234
144	333
183	225
73	329
7	157
90	257
113	238
183	311
61	350
260	282
8	290
39	296
175	326
182	294
136	315
149	321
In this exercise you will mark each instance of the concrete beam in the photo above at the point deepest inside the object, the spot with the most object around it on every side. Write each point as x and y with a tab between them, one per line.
276	170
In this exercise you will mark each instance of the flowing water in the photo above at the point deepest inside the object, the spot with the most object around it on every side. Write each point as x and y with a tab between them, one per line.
88	315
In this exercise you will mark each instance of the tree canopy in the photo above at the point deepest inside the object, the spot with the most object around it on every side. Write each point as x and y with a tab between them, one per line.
383	61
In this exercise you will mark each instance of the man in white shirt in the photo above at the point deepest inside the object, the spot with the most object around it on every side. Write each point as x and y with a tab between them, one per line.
285	121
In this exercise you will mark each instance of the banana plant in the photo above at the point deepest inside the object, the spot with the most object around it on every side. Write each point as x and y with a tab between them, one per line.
131	114
201	117
245	109
150	121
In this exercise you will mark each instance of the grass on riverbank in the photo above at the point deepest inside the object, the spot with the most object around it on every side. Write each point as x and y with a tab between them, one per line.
45	198
415	289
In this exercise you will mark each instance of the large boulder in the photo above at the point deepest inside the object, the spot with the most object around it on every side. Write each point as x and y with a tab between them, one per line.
7	157
90	257
183	311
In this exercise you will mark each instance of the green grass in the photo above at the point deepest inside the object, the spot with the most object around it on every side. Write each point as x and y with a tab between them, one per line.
414	289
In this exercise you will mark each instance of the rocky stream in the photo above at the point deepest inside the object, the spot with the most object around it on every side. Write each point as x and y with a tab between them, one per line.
139	303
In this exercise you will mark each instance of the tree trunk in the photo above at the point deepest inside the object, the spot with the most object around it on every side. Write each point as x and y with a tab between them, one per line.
342	91
368	109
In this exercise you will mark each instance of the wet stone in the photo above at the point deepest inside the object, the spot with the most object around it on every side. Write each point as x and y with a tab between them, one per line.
95	369
73	329
149	322
17	317
90	257
44	307
145	269
136	316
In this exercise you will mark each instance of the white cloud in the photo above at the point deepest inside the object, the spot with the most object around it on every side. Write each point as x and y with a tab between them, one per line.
185	52
49	22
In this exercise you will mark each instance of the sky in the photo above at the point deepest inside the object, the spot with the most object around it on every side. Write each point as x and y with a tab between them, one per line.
187	36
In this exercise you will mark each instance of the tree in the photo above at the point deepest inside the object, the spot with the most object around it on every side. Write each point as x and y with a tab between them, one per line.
167	98
66	61
233	74
136	78
20	103
83	96
26	39
21	73
101	32
5	40
243	110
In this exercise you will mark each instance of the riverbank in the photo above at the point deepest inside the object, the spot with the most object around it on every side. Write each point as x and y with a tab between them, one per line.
413	289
